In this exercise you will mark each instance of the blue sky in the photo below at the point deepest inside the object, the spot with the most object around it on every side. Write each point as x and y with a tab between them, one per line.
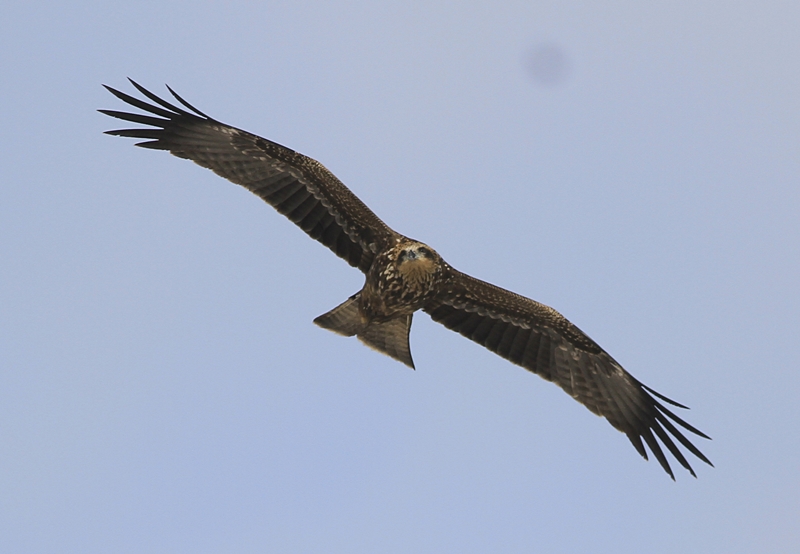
162	387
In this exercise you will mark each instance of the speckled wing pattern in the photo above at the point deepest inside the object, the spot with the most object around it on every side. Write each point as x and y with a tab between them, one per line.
543	341
297	186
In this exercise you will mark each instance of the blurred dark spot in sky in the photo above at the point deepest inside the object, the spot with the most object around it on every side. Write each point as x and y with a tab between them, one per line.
547	64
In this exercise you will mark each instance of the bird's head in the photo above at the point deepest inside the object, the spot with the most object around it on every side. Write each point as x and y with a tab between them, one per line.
416	252
417	261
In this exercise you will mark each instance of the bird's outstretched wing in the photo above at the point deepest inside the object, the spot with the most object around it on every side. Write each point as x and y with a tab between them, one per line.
297	186
543	341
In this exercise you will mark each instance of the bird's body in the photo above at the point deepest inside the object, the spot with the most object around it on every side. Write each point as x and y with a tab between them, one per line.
402	280
403	276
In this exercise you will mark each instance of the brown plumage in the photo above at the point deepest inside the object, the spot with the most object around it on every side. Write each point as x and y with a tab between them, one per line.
403	275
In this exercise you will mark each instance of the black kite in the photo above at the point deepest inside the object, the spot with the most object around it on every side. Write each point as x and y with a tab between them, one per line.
404	275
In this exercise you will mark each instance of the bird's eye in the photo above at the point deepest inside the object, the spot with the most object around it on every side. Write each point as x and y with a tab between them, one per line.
424	252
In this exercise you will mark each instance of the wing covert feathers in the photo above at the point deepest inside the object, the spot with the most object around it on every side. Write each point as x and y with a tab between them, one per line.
541	340
297	186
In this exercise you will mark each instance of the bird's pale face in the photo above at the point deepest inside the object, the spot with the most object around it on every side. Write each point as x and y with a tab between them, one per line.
417	262
416	252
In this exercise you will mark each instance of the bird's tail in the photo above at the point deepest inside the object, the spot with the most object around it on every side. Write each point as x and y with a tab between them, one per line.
344	319
388	337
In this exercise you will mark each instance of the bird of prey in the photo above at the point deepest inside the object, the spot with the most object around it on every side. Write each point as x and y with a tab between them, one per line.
403	275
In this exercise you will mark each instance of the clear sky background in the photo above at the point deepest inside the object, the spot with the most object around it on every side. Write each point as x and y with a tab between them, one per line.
162	387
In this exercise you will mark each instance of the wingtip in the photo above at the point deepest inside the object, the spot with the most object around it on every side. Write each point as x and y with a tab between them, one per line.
664	398
112	90
185	103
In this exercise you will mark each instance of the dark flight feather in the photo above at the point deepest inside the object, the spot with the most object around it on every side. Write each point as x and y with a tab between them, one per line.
516	328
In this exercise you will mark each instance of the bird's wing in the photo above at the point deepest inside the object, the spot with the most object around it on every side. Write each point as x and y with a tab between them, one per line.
543	341
297	186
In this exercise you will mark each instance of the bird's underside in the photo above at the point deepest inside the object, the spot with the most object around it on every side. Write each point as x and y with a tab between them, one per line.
403	276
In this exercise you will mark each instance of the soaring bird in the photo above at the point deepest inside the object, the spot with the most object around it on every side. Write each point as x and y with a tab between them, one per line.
403	275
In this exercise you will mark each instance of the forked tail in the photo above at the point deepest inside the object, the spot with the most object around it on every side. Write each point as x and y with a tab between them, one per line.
388	337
